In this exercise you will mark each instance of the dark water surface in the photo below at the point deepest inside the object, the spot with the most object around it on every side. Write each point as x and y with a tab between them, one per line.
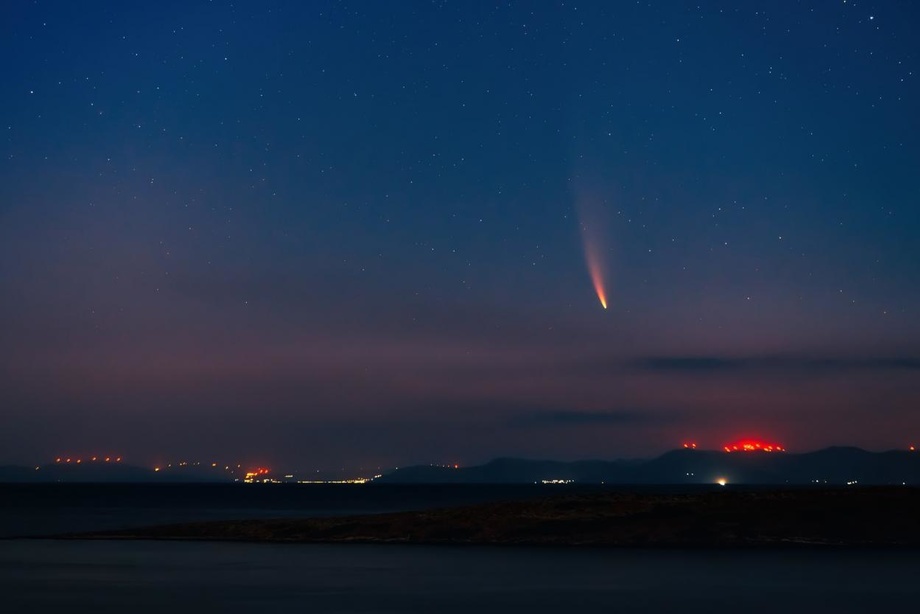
28	510
44	576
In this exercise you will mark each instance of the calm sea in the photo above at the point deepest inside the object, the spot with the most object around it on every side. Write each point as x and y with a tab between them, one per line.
38	576
44	576
51	509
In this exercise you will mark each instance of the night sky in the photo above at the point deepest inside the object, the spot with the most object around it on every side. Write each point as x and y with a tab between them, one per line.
319	234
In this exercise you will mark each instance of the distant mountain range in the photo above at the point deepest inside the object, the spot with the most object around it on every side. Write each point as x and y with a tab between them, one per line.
108	472
831	466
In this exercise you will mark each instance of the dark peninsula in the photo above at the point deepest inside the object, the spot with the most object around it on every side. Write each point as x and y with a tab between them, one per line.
845	517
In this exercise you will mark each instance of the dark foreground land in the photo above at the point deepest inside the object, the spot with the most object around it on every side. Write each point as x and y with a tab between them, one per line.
876	517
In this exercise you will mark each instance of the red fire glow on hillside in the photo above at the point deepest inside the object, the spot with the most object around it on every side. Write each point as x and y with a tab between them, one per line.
753	445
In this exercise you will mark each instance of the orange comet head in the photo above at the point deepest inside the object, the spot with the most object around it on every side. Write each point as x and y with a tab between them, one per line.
595	269
599	288
592	223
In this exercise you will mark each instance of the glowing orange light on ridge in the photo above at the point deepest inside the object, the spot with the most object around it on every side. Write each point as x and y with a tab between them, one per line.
257	472
753	445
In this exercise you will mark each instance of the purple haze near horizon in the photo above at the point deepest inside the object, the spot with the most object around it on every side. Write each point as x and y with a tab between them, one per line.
324	234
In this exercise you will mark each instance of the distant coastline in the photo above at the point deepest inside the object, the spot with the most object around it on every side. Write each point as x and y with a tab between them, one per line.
849	517
829	467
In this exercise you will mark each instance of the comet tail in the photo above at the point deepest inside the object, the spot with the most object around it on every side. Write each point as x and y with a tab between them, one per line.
596	271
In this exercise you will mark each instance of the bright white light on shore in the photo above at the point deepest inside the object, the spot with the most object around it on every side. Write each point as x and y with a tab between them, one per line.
721	481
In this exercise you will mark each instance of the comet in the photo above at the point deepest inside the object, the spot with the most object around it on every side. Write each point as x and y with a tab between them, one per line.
592	218
593	245
595	269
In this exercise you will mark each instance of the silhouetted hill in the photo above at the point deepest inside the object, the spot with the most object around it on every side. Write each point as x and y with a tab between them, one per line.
720	518
831	466
104	472
837	465
13	473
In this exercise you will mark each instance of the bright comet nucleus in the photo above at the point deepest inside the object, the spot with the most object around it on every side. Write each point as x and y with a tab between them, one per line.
592	216
596	272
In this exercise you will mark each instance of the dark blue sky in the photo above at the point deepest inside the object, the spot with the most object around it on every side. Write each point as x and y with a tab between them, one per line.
351	233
